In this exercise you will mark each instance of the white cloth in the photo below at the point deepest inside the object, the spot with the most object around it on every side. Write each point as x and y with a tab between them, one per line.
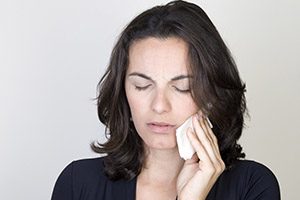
185	148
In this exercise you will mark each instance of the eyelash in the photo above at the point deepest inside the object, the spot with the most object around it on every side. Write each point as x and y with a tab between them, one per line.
182	91
145	87
141	88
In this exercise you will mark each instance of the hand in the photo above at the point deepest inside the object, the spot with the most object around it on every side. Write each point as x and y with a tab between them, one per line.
199	173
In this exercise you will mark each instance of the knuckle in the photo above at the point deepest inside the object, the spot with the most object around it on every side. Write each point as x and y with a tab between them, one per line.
223	166
220	166
218	169
211	170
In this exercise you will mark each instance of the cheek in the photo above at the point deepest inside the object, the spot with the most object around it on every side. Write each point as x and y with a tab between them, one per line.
135	106
138	112
136	102
185	104
192	104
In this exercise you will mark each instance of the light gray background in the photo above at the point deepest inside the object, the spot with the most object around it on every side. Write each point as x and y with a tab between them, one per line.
53	53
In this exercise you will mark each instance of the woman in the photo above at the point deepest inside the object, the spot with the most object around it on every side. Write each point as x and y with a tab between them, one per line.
169	63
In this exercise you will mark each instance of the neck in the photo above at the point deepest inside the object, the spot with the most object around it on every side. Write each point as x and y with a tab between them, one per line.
161	166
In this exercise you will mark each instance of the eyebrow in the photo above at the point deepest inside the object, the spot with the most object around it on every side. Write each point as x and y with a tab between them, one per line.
176	78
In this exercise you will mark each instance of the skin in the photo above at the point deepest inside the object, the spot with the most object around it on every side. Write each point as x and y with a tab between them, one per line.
157	90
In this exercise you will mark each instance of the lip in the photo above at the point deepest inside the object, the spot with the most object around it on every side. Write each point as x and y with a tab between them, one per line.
161	127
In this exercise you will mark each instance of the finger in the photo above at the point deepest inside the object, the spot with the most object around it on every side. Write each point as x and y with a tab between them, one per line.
211	133
206	159
202	134
210	148
213	139
192	160
207	129
198	146
201	120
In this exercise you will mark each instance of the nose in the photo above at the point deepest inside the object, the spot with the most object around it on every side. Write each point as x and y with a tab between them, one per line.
161	103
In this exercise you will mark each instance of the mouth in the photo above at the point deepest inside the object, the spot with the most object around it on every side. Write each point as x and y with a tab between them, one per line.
161	127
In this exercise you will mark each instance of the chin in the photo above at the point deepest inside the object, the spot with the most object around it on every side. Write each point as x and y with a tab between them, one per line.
162	146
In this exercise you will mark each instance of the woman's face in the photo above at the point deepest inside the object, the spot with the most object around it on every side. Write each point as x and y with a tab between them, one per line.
157	89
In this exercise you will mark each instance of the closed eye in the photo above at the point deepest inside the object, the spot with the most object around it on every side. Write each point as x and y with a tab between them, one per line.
182	90
140	88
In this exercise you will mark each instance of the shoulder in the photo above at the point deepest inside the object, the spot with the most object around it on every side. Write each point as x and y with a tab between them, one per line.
252	180
251	168
86	171
79	174
87	168
253	171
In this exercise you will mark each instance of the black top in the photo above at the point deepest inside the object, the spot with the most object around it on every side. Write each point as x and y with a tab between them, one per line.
85	180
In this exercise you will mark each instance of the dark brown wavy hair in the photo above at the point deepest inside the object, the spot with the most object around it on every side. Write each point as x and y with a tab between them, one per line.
216	86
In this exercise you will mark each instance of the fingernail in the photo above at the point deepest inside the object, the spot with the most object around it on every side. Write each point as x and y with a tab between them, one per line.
209	123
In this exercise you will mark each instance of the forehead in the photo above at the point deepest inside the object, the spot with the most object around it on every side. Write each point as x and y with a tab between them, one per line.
156	56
